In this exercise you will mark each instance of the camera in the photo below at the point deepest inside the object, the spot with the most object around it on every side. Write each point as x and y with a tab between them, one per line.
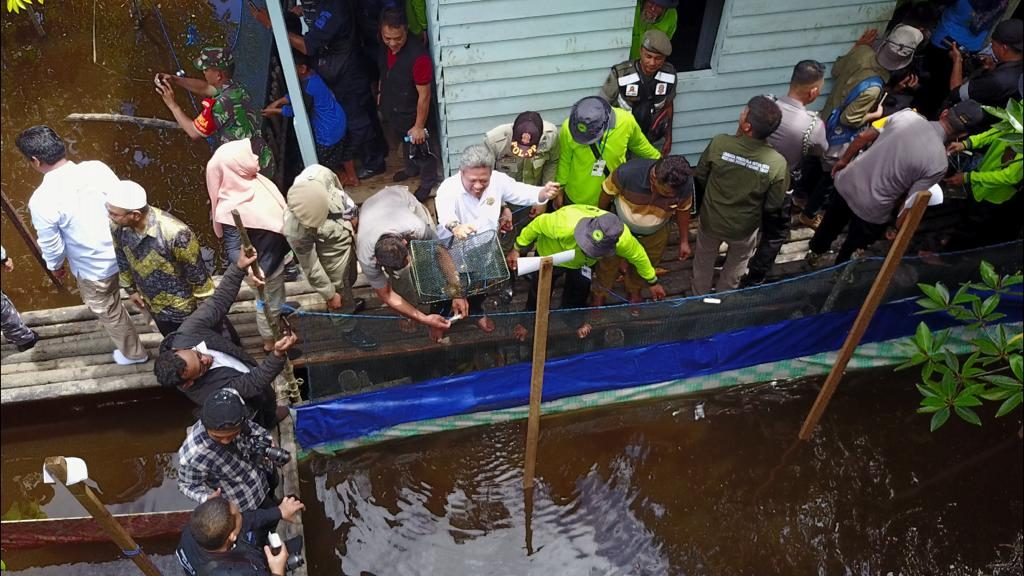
277	456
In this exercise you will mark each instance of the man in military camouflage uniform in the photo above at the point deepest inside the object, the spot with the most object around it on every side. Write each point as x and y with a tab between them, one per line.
227	110
646	87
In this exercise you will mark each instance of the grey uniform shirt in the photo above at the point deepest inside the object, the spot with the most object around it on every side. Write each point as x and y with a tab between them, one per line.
908	156
788	139
392	210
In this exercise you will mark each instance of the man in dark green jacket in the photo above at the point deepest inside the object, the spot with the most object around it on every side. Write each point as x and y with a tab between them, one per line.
743	178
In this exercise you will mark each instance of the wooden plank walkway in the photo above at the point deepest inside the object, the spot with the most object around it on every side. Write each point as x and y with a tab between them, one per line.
73	356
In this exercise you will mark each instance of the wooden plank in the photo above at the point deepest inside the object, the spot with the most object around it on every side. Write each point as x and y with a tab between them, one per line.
501	10
757	7
760	60
844	34
582	45
601	58
476	127
500	88
616	18
513	106
803	20
77	388
64	374
774	74
724	98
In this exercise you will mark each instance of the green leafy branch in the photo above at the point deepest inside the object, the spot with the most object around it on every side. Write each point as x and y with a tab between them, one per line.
993	371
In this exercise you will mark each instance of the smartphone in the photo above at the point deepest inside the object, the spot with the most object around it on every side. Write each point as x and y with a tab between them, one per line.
947	42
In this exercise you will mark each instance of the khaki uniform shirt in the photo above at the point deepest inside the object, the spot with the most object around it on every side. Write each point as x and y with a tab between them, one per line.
535	171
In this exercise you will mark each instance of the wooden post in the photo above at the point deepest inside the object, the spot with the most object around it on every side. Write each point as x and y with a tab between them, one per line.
289	370
540	353
12	215
867	311
58	468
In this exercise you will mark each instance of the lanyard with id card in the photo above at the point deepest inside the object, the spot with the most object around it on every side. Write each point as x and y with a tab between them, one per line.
600	167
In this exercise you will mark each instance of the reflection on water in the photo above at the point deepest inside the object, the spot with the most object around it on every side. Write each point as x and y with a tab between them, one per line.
681	486
46	79
128	441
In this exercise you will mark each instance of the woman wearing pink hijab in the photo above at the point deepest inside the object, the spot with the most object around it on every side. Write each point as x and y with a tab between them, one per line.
234	183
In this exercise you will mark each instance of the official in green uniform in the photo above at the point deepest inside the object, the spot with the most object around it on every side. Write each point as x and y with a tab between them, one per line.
646	86
744	178
653	15
594	141
227	114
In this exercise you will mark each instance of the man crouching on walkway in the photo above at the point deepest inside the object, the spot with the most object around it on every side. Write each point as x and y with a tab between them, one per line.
199	360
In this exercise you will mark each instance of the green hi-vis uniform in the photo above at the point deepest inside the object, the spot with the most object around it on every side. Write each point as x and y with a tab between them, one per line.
578	168
667	24
553	233
743	178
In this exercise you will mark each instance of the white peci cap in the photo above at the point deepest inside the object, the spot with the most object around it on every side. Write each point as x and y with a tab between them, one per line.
127	195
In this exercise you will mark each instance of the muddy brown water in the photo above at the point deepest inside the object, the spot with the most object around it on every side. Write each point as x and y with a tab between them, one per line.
686	486
46	79
690	486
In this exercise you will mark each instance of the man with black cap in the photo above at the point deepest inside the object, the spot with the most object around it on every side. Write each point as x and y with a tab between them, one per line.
996	86
653	15
320	227
646	86
647	194
527	149
594	140
907	155
593	234
224	454
198	360
220	539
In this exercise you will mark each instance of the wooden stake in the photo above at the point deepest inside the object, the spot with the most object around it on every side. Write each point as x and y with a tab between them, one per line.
289	370
540	353
867	311
12	215
58	468
158	123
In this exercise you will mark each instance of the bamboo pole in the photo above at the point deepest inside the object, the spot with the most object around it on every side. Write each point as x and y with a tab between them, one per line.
158	123
867	311
58	469
540	353
289	371
12	215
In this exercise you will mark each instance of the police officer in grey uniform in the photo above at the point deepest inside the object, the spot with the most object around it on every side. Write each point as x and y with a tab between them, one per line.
646	87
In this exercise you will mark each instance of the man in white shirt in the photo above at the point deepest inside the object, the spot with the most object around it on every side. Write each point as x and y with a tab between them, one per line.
70	218
471	201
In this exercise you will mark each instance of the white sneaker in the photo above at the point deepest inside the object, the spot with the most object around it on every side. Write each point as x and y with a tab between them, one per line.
123	360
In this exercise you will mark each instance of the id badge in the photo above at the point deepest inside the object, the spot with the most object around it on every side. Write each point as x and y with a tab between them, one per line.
661	89
598	168
587	273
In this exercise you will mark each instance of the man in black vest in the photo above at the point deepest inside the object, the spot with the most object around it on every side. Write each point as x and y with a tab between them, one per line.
646	87
198	360
405	76
646	194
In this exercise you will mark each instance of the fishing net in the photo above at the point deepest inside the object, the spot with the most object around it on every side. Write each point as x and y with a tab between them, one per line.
335	368
443	269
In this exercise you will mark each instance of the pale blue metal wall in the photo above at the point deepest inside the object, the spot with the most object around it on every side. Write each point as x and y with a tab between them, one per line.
500	57
496	58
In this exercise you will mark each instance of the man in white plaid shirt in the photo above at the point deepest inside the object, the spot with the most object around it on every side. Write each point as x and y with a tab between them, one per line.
221	455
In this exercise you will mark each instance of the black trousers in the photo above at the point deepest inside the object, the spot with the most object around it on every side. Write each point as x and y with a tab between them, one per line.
418	162
774	233
575	290
860	234
817	186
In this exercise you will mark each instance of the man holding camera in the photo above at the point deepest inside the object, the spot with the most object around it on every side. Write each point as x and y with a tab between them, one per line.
227	454
221	539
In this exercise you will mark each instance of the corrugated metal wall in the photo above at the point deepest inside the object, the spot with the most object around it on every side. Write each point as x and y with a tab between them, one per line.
758	43
497	58
500	57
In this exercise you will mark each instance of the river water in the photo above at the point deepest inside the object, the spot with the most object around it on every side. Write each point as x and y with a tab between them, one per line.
46	79
683	486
